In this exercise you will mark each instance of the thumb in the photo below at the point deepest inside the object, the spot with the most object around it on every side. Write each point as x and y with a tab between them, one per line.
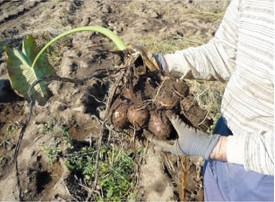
159	144
163	146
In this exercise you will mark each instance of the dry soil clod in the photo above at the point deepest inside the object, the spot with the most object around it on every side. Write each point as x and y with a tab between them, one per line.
169	93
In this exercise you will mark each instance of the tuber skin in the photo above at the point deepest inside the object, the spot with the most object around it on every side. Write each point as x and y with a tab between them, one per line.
119	115
167	103
137	115
159	125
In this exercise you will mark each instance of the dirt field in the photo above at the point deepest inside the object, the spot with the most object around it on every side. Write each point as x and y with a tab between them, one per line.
70	120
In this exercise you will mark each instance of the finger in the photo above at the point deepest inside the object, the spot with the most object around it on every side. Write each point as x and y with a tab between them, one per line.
159	143
154	140
173	117
149	136
164	146
175	120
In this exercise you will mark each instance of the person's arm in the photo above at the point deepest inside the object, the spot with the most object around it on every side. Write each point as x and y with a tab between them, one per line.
254	151
214	60
233	149
242	150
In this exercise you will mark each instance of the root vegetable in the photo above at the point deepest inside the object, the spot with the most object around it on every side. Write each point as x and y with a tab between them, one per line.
181	89
159	94
169	94
167	102
159	125
119	115
137	115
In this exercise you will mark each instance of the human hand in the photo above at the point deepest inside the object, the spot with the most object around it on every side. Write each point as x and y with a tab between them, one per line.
161	62
152	61
191	142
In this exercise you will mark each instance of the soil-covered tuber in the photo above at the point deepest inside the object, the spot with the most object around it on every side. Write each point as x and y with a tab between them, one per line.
119	114
159	125
142	99
138	115
169	93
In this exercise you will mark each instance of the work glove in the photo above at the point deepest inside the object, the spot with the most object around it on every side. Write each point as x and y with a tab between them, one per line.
190	142
161	62
154	62
134	51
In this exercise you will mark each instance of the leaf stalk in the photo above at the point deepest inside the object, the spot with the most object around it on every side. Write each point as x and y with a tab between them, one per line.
119	43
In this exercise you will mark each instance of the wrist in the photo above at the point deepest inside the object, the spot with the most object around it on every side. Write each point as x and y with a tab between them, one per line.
161	62
219	151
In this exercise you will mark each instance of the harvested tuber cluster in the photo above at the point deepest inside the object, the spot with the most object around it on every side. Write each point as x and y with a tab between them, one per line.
142	98
141	103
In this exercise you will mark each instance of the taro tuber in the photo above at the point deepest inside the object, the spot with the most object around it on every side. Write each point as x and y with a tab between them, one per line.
127	93
119	114
159	125
138	116
169	94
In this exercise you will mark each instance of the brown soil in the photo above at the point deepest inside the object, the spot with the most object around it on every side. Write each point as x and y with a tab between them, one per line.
79	107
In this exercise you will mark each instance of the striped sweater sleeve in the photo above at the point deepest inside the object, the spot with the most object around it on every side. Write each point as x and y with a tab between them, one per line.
241	53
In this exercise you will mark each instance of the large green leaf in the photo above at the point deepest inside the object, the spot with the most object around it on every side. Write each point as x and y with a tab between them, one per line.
21	73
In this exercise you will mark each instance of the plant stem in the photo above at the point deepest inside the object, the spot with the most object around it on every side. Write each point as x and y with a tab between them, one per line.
119	43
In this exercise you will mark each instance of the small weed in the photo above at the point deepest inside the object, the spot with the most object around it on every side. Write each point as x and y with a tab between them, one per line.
116	179
60	140
7	135
52	152
49	126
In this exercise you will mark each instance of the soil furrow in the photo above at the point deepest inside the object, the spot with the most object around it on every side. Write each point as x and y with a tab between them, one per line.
17	12
2	2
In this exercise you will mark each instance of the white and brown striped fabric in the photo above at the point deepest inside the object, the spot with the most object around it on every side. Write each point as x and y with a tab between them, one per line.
241	53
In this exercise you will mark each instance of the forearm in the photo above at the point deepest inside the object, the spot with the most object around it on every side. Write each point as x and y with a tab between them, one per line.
209	62
254	151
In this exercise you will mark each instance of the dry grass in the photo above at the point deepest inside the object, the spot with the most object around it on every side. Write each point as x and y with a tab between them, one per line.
209	96
163	43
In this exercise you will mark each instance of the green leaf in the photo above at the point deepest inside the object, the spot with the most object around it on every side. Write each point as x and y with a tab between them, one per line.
22	74
110	192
